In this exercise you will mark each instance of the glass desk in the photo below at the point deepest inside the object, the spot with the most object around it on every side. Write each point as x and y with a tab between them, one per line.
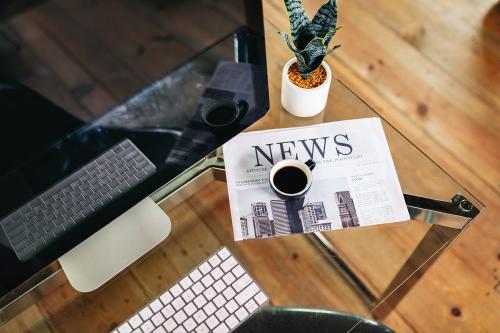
365	271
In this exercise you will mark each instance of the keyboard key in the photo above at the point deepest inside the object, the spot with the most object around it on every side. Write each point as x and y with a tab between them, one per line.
200	316
200	301
219	286
198	288
158	319
188	296
166	298
219	301
231	321
176	290
224	253
212	322
221	314
229	278
180	317
170	325
214	261
241	313
195	275
180	329
246	294
135	321
209	293
209	308
155	306
145	313
251	306
186	283
228	264
159	330
168	311
217	273
207	281
147	327
125	328
231	306
260	298
222	328
205	268
178	303
238	271
229	293
202	329
189	324
190	309
242	282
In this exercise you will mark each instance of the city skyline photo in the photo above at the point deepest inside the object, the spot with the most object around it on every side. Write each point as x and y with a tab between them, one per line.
323	208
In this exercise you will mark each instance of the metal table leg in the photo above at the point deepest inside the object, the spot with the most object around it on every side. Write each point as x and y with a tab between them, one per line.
458	212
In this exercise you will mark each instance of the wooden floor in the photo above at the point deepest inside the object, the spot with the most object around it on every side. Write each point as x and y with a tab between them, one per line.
431	68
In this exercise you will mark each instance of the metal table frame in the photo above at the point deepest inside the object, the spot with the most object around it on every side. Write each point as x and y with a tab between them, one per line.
211	168
421	208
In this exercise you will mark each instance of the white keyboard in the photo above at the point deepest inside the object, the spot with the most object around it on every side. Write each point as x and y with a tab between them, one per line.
216	296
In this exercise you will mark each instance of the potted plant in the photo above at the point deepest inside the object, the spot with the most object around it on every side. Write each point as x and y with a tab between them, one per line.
306	77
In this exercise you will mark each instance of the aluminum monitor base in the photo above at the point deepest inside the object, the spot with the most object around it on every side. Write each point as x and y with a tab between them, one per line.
106	253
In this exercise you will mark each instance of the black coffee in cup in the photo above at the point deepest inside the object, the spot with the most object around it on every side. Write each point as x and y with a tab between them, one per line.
222	115
290	179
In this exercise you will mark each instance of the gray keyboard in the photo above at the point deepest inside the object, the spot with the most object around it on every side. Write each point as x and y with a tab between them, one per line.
41	221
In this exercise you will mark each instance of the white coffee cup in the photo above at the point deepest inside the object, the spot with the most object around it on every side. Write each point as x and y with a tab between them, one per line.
291	178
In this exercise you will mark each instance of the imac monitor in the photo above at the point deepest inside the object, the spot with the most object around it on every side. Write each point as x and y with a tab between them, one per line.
199	78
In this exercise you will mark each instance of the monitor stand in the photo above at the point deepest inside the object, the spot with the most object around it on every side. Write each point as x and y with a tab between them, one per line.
117	245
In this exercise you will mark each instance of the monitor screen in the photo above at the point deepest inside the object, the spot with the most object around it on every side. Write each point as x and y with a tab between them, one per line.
175	79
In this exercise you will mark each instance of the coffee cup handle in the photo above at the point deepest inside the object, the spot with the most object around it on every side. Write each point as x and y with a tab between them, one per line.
311	164
242	106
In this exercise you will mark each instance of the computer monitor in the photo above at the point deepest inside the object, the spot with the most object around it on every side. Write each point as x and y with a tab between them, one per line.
169	118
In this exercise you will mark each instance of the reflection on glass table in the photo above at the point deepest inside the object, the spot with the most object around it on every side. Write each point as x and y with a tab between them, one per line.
172	124
365	271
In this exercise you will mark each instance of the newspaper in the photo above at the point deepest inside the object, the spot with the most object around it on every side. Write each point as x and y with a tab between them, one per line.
354	181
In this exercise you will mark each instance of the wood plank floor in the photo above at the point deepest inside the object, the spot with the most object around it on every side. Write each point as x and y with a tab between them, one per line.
431	68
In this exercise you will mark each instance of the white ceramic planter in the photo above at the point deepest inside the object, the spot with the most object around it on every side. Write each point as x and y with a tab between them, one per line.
303	102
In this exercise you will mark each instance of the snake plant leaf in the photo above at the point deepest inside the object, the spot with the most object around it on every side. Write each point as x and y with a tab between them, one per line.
313	55
305	71
297	17
300	59
333	49
310	38
330	34
288	42
325	21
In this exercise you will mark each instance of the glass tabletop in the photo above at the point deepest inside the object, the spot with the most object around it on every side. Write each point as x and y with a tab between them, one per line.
363	271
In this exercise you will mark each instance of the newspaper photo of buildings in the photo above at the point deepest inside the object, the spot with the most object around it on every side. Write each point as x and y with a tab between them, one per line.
317	211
